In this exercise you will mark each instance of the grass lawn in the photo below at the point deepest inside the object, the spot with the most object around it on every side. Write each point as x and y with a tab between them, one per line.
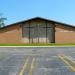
37	44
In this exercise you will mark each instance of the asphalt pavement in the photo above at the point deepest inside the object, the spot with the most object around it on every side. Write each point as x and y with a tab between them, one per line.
37	60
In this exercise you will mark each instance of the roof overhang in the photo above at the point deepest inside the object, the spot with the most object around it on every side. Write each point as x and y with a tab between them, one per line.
53	21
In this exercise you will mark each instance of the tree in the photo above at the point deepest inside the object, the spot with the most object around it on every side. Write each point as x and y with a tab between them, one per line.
2	19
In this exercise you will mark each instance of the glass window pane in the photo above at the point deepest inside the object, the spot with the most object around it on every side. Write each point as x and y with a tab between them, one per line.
26	25
49	25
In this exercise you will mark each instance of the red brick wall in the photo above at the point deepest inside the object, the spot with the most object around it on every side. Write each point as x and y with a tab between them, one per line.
64	34
11	34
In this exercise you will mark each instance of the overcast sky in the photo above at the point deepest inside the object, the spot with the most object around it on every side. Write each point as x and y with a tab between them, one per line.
18	10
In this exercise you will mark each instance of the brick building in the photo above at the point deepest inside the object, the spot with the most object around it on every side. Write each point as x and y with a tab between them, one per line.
37	30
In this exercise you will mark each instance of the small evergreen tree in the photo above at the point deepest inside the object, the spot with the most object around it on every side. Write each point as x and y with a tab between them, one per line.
2	19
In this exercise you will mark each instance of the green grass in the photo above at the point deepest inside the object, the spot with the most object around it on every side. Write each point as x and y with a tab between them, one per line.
52	44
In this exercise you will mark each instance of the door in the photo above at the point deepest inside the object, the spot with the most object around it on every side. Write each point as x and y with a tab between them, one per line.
42	33
50	35
33	33
25	33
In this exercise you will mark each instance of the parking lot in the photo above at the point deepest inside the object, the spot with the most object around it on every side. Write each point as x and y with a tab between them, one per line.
37	61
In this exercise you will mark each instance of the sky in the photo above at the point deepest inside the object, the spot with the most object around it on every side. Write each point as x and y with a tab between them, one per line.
18	10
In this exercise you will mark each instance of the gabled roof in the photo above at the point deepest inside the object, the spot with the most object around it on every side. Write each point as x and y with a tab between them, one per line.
56	22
